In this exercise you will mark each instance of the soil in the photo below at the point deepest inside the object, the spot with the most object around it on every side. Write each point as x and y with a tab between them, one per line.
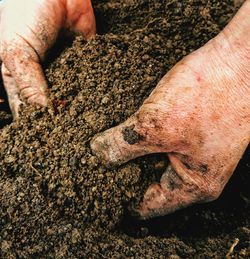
57	200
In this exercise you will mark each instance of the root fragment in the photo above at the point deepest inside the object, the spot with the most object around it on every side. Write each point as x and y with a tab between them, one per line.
231	250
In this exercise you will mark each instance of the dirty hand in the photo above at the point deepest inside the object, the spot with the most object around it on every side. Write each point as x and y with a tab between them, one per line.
27	29
199	114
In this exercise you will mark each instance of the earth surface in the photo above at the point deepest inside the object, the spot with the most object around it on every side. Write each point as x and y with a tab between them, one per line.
57	200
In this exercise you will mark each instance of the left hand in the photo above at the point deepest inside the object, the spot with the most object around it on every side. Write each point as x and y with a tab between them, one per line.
28	28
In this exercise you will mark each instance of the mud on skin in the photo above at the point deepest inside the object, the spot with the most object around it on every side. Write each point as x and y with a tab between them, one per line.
131	136
55	198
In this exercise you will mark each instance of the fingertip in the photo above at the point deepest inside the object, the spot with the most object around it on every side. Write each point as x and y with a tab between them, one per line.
86	24
38	99
86	27
102	148
95	145
153	204
120	144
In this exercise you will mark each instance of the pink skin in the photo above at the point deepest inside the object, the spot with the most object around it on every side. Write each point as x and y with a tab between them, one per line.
28	28
199	114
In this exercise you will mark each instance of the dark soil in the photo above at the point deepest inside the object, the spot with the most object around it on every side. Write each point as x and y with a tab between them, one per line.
57	201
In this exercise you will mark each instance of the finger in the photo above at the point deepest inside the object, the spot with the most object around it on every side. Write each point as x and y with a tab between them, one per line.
22	62
188	180
84	20
135	137
172	193
12	92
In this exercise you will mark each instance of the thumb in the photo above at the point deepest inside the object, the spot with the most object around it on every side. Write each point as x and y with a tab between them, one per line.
22	62
120	144
133	138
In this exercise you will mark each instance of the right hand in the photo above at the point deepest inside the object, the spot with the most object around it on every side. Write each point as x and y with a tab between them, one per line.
28	28
199	114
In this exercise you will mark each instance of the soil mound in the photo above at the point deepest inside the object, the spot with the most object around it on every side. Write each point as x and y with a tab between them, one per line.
56	200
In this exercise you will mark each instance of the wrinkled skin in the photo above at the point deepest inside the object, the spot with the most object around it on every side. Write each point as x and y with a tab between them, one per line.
199	114
28	28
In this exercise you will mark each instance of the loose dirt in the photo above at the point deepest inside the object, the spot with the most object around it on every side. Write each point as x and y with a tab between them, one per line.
57	201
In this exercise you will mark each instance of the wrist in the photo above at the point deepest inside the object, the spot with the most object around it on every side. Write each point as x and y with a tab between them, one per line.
233	49
236	34
228	57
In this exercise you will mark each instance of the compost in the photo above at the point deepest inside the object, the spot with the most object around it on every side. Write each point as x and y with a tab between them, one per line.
57	200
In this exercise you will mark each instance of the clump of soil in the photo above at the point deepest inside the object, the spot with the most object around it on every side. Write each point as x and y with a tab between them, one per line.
57	200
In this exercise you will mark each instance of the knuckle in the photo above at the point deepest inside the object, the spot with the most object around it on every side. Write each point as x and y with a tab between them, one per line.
211	191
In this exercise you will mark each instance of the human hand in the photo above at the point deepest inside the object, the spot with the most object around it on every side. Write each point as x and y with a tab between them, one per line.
199	114
28	28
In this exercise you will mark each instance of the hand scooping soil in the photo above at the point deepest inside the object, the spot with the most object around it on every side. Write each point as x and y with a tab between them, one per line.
57	201
199	114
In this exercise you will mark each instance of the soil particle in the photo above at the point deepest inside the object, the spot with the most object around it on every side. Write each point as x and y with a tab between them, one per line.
57	201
